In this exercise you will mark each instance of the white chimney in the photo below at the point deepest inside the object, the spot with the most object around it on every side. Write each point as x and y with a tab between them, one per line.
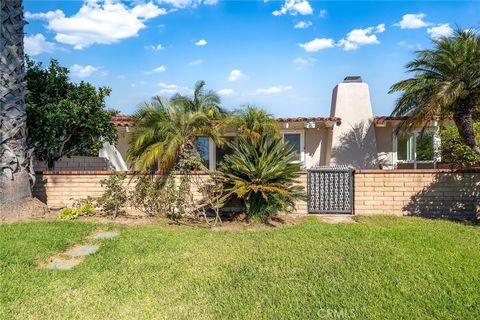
353	142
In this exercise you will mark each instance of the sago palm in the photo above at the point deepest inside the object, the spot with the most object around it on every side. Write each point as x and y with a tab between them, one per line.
15	170
262	174
203	100
445	85
164	132
255	123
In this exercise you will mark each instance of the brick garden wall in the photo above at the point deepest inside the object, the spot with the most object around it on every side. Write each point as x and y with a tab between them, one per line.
432	193
60	189
398	192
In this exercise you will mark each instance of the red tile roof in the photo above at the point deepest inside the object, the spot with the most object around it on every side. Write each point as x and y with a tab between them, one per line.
381	120
129	121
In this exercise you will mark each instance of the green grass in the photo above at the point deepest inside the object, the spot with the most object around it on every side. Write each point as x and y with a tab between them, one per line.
380	268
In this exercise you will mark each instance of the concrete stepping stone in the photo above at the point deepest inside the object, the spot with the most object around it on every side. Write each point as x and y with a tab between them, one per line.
105	235
337	219
60	264
82	250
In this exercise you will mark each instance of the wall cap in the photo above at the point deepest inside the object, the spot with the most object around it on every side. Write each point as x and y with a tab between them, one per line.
417	171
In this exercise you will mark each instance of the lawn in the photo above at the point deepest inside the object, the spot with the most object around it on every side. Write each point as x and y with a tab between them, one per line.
379	268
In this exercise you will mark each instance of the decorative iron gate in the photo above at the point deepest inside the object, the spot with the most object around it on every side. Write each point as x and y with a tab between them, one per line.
330	189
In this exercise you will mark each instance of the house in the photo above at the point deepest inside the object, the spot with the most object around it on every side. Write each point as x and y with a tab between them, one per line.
351	136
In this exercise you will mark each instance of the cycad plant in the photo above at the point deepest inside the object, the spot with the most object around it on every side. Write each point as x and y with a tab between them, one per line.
262	174
445	85
165	133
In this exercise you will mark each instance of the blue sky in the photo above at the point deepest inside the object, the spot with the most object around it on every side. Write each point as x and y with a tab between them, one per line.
285	56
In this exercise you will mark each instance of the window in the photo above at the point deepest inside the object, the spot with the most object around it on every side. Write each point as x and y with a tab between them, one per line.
296	141
415	151
203	147
221	152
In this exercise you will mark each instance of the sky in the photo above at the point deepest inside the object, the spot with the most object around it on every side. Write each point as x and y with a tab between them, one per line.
285	56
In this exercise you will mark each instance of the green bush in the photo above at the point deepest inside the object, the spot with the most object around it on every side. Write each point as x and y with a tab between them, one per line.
86	209
454	151
114	198
262	173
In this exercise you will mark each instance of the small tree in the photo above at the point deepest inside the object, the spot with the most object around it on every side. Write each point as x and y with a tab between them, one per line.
65	118
454	151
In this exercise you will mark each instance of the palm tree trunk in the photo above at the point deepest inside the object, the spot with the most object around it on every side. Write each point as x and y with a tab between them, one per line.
15	158
464	122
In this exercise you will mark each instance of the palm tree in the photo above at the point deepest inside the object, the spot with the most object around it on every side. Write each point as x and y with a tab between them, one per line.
204	101
255	122
15	174
446	85
164	133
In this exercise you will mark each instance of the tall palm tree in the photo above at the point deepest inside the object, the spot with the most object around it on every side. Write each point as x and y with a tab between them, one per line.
255	122
206	101
446	85
15	175
164	132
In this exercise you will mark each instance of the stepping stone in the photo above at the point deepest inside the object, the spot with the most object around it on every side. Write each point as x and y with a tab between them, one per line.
337	219
62	264
82	250
106	235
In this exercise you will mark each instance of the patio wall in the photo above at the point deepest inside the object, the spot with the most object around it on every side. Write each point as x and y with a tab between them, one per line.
430	193
60	189
400	192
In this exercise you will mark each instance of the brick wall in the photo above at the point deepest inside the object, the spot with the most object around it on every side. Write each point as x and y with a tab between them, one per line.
433	193
60	189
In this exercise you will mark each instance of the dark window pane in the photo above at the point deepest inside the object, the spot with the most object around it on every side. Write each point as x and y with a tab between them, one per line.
223	151
293	139
203	150
405	147
425	147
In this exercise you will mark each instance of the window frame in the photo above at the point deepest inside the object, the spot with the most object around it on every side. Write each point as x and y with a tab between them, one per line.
415	162
302	144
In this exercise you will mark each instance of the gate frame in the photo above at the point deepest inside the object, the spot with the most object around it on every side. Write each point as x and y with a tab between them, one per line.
333	169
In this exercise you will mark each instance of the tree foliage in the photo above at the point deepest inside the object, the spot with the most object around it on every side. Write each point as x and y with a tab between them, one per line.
445	85
255	122
65	118
454	151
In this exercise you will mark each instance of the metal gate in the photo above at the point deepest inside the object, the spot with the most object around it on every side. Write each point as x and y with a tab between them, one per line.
330	189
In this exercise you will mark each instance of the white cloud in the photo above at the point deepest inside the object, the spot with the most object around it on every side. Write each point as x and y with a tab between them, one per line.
195	62
440	31
37	44
323	13
201	42
148	11
160	69
317	44
304	61
98	22
360	37
236	75
187	3
412	21
380	28
157	47
225	92
274	90
80	71
294	7
303	24
171	89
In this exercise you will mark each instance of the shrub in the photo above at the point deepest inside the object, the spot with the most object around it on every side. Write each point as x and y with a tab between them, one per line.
86	209
114	198
455	151
262	174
